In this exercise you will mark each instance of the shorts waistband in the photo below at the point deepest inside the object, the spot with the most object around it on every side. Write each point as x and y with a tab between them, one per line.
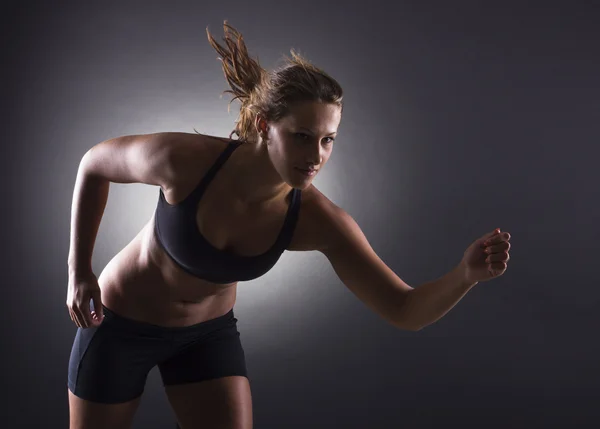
150	327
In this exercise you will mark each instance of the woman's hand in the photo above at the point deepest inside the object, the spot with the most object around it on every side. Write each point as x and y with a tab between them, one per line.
81	289
487	257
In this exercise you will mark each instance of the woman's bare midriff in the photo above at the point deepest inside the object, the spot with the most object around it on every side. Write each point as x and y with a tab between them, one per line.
143	283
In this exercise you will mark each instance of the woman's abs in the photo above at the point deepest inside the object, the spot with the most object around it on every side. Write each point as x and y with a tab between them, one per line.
141	282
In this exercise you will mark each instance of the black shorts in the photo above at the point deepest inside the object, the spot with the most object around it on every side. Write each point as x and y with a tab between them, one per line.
110	363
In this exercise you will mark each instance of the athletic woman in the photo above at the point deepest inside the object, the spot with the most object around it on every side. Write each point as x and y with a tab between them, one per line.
227	209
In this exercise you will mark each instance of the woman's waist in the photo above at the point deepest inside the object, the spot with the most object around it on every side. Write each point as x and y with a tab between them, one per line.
133	287
161	305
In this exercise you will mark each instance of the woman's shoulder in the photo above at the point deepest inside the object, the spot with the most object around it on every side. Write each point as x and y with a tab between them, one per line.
190	149
194	144
325	226
317	214
190	155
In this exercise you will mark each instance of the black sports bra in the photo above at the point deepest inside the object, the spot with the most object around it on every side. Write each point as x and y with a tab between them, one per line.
177	232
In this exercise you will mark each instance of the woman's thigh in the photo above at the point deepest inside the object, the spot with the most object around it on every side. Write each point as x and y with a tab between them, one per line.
220	403
107	371
206	381
85	414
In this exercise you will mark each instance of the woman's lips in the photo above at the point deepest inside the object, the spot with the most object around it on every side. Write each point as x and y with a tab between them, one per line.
307	172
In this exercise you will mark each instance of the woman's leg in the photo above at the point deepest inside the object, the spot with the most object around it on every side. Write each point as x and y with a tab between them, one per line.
85	414
206	379
221	403
108	367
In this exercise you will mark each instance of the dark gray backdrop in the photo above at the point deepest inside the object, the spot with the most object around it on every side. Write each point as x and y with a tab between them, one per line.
460	117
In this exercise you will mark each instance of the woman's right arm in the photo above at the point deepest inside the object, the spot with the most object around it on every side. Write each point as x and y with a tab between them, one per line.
145	159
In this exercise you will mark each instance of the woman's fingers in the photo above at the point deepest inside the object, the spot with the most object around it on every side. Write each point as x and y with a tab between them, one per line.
86	313
75	317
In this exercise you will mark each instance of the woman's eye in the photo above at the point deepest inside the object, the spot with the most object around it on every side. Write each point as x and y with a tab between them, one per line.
304	136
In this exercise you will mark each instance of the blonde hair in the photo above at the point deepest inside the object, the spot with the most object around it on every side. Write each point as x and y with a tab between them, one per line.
270	94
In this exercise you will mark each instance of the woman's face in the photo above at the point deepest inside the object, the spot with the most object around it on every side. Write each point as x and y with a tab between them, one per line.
302	140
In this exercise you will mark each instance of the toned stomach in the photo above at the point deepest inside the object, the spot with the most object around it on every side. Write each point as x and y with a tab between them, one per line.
143	283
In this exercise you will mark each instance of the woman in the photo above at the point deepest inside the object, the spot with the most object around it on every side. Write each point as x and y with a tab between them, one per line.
227	210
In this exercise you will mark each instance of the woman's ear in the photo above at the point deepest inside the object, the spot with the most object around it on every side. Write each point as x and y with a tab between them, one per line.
262	127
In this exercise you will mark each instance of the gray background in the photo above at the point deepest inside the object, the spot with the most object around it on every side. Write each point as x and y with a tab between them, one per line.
460	117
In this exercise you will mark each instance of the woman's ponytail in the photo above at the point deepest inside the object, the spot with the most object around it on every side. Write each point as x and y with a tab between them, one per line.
242	72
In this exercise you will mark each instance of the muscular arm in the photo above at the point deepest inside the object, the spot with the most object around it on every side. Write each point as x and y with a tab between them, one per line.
127	159
89	201
358	266
375	284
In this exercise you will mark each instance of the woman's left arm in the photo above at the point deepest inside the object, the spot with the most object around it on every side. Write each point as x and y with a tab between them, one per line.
374	283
